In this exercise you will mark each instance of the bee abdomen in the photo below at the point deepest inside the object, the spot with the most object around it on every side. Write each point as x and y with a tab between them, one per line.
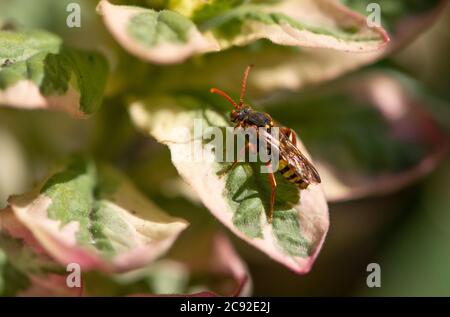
292	175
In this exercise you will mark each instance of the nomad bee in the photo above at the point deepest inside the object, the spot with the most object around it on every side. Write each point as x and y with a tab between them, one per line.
293	165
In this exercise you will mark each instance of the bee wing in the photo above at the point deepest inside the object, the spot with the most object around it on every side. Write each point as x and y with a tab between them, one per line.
293	156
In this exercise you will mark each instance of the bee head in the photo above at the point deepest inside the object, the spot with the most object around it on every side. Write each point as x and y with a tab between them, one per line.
239	114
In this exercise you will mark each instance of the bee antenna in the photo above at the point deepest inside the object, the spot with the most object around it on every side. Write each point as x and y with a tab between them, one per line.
244	84
225	95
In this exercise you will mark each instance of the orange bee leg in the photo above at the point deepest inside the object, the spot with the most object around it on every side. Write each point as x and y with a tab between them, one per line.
273	185
290	134
228	169
248	146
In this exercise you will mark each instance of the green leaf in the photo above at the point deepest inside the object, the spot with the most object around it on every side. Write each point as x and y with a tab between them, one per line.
200	11
290	23
287	68
92	216
240	199
166	27
216	269
25	269
52	75
162	37
169	37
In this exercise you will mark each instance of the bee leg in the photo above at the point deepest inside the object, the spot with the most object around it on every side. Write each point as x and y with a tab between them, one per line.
273	185
228	169
290	134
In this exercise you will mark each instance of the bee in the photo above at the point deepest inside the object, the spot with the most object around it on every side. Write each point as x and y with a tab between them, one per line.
293	164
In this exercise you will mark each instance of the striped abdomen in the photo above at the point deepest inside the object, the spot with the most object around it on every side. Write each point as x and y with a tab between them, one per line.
292	175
